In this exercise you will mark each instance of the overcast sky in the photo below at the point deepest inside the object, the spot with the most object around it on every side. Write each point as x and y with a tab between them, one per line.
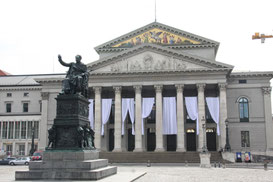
33	33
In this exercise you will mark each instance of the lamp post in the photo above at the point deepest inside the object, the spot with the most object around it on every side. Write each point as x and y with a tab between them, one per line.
227	146
204	148
32	150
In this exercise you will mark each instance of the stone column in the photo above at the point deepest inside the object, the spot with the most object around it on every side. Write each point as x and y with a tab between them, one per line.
44	120
201	113
26	148
223	114
268	119
117	134
138	119
159	111
97	124
180	118
14	149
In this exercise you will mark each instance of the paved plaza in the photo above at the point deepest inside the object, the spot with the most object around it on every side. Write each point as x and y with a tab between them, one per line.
172	173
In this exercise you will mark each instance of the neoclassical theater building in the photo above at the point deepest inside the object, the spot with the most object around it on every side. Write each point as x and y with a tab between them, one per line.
159	88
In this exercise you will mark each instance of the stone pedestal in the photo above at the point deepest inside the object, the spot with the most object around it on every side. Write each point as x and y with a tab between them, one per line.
72	155
228	156
205	160
68	165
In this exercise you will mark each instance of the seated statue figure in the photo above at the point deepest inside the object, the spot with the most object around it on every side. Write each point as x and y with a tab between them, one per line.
76	80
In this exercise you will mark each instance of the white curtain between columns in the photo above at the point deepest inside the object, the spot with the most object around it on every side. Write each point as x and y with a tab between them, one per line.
128	105
214	110
147	106
91	113
192	109
105	112
169	116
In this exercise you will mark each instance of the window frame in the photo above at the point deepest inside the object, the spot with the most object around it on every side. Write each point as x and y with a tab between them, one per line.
244	103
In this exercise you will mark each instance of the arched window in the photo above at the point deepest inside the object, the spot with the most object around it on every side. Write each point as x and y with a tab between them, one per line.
243	109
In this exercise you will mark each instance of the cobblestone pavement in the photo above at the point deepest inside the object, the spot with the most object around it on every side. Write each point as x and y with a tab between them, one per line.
170	173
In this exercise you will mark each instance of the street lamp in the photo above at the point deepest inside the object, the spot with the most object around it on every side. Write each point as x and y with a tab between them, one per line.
32	150
204	148
227	146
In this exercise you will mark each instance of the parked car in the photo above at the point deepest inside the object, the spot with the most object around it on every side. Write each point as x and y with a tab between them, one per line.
20	161
38	155
6	161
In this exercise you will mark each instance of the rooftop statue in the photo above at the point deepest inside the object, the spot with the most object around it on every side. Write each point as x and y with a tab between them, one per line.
76	80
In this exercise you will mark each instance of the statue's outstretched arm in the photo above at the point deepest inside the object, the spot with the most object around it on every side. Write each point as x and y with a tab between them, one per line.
62	62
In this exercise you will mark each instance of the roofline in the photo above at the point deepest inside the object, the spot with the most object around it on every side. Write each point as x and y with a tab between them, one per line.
33	75
159	25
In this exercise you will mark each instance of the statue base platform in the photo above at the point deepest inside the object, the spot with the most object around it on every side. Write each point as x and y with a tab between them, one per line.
205	160
68	165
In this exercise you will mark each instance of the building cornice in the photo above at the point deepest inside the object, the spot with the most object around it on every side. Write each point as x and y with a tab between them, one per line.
20	88
251	74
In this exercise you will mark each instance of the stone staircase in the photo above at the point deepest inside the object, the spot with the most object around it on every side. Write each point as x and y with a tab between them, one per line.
157	157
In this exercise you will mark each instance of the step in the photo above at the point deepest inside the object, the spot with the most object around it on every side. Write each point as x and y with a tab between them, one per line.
68	165
66	175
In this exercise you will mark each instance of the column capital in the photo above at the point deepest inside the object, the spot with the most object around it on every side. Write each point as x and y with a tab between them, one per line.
158	88
222	86
97	90
137	88
201	87
117	89
266	90
45	95
179	87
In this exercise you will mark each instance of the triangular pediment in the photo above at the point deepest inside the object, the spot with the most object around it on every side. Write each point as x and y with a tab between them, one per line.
154	58
156	33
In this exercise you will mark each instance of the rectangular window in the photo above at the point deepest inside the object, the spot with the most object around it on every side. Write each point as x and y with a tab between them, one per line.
26	94
40	102
23	129
17	129
29	129
8	107
9	150
11	129
9	94
0	129
242	81
36	129
22	150
245	141
5	130
25	107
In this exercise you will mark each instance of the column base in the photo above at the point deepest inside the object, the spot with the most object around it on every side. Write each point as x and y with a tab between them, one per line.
117	150
138	150
205	160
159	150
180	150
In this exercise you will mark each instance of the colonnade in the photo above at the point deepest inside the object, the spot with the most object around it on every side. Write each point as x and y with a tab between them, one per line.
159	111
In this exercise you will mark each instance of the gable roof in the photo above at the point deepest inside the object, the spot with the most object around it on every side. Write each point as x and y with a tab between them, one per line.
3	73
192	39
156	48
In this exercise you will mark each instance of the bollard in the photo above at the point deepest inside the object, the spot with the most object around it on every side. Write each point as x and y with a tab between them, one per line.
265	165
186	163
219	164
215	164
148	163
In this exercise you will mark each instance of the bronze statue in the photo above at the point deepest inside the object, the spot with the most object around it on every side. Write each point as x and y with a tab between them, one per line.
76	80
52	136
89	137
80	136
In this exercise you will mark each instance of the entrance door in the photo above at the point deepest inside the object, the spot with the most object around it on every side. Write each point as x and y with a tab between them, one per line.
171	142
150	140
131	140
191	140
211	139
111	139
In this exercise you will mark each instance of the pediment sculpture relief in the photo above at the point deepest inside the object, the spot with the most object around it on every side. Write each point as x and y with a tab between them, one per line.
149	63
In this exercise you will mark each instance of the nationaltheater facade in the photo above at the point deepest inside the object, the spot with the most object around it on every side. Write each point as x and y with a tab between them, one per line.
159	88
